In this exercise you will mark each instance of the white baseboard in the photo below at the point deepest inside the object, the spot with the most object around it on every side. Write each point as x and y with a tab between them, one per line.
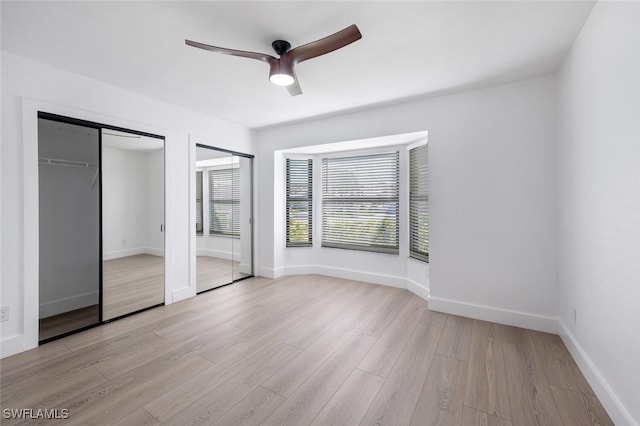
349	274
182	294
154	251
13	345
611	403
489	313
67	304
417	289
245	268
272	273
227	255
116	254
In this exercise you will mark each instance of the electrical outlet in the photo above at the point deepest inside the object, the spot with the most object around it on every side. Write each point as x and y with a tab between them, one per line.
4	313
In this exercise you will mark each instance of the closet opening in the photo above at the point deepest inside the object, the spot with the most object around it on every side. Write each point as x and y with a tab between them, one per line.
101	223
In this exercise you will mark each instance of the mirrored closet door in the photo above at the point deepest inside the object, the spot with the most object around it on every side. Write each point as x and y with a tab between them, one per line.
101	223
224	217
132	222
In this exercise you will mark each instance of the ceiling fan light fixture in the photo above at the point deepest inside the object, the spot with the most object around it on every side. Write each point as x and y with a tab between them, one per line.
281	70
281	79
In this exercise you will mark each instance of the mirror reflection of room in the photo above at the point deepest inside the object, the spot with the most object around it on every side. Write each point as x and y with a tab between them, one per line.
132	222
223	218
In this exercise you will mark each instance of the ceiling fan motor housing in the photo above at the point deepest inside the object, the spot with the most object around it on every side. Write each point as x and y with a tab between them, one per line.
281	46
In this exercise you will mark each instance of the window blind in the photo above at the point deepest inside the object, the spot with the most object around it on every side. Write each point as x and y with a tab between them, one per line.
418	203
199	224
299	202
360	202
224	202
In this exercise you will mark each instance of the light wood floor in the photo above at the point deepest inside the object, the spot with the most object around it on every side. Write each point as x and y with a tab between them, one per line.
131	283
68	321
303	350
213	272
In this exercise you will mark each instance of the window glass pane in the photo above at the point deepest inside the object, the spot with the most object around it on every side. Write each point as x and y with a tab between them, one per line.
299	209
360	204
419	203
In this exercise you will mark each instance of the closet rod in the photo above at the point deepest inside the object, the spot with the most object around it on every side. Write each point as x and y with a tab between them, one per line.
57	162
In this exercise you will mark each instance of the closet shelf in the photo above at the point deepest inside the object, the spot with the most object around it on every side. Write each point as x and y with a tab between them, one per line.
58	162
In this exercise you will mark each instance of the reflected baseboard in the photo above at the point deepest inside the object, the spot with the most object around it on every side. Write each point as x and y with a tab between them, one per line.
66	304
117	254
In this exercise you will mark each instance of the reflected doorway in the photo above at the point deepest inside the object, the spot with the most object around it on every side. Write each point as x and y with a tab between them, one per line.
224	230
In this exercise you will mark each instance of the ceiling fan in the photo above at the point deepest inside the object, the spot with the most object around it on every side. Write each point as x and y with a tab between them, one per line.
281	69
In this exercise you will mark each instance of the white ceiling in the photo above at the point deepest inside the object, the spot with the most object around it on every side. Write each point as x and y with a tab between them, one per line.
408	50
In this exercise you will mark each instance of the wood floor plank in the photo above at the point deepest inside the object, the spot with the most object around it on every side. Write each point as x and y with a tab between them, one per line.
50	392
395	402
352	400
382	357
16	364
287	380
120	397
473	417
86	359
531	400
271	332
309	399
392	303
140	417
559	367
442	396
456	338
188	392
306	337
226	395
486	388
580	409
253	409
124	329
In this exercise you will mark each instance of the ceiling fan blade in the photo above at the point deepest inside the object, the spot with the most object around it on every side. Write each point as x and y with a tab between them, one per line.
325	45
242	53
294	89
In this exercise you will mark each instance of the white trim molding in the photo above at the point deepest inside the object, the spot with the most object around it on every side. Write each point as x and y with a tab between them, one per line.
493	314
418	289
611	403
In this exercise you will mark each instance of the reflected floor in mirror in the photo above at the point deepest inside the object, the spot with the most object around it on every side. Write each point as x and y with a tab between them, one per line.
67	321
214	272
132	283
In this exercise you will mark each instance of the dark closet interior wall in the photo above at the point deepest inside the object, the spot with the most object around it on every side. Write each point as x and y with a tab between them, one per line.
69	220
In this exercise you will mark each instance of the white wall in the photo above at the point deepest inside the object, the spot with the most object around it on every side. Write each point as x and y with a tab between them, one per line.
124	202
132	202
28	86
599	205
492	198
